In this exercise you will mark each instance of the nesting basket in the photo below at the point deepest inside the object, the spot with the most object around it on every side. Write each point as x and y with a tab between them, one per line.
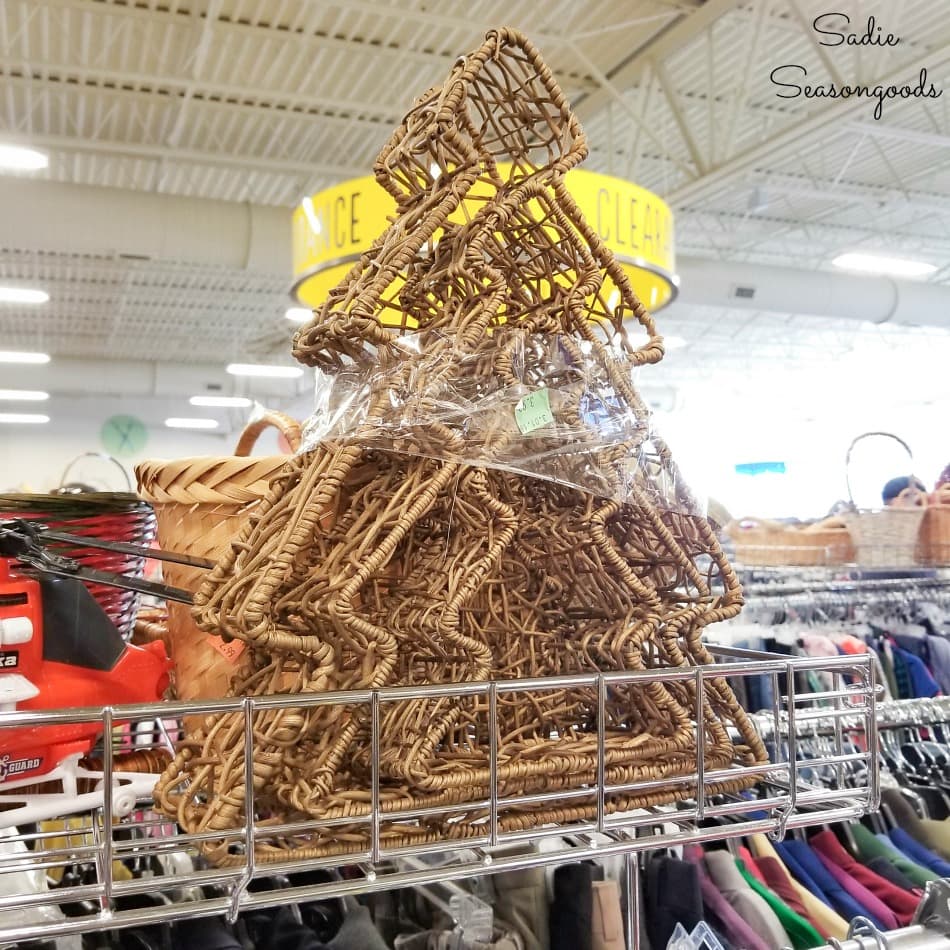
885	537
108	516
487	500
202	505
762	543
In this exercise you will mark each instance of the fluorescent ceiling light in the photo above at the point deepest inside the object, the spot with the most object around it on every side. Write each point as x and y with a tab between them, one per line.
22	295
17	158
191	423
23	395
23	418
880	264
10	356
299	314
225	402
311	215
259	369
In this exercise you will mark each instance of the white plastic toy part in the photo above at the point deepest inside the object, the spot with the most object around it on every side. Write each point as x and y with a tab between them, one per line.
15	630
15	688
22	807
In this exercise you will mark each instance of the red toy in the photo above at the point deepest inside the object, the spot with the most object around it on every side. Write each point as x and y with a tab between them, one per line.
59	649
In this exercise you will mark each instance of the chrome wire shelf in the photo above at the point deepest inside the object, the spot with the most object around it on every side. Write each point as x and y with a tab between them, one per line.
823	768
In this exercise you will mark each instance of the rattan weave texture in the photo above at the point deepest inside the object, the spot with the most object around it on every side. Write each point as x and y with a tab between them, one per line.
382	556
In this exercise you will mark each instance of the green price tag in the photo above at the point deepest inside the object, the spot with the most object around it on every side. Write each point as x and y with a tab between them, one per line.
534	411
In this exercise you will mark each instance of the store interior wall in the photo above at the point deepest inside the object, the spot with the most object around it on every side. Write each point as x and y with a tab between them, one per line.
35	457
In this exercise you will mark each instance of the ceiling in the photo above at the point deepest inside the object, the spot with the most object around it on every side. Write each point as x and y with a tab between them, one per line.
264	101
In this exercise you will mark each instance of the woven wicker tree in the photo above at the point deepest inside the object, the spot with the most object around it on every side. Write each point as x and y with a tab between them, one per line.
431	537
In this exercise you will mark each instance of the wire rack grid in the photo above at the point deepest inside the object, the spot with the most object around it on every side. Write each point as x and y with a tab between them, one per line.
823	768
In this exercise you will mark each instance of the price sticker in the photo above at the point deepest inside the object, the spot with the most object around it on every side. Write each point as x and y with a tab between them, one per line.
230	651
534	411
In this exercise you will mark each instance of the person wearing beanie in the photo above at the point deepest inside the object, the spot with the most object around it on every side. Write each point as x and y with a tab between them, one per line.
903	492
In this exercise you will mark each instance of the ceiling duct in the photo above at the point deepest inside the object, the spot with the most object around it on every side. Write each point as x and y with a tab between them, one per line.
81	219
813	293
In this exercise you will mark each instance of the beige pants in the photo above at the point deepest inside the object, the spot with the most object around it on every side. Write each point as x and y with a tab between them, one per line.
607	922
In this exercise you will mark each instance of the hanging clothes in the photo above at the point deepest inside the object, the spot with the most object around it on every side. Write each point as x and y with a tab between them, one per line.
897	900
724	916
802	933
819	911
673	896
749	905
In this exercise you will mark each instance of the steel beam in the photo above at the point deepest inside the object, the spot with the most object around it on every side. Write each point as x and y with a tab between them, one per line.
625	74
824	116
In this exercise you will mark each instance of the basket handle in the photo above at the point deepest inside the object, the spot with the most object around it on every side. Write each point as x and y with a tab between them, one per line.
289	428
96	455
854	442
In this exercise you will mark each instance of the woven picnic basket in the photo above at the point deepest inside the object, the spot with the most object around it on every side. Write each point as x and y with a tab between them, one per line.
885	537
106	516
763	543
439	537
201	505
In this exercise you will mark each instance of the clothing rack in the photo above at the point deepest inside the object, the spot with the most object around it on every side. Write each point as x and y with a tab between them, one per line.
929	930
824	768
792	591
916	937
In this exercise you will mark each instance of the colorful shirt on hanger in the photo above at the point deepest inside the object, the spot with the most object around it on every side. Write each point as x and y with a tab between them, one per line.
898	900
918	853
880	846
803	934
841	898
724	916
748	904
827	922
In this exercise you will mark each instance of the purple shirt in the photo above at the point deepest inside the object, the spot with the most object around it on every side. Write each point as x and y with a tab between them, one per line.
739	933
860	893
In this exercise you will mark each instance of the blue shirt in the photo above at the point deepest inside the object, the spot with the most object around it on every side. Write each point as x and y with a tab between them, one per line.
841	900
799	873
922	683
917	852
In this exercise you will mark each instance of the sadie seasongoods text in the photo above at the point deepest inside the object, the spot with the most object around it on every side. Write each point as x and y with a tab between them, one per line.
834	30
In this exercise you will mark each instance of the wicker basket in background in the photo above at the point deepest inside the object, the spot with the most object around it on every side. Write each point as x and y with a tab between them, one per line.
201	505
763	543
935	530
106	516
885	537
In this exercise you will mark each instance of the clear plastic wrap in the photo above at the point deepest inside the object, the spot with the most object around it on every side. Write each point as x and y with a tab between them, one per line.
540	404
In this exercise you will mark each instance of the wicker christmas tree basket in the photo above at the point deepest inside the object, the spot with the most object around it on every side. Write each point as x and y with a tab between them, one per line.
481	498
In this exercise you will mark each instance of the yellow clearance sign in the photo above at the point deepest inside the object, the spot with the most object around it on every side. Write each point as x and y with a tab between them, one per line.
334	227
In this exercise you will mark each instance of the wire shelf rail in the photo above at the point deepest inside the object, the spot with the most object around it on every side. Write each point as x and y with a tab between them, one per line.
806	782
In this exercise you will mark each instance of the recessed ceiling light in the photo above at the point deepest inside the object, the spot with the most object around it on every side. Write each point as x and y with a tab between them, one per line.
881	264
18	158
299	314
174	423
22	295
260	369
23	418
11	356
226	402
23	395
